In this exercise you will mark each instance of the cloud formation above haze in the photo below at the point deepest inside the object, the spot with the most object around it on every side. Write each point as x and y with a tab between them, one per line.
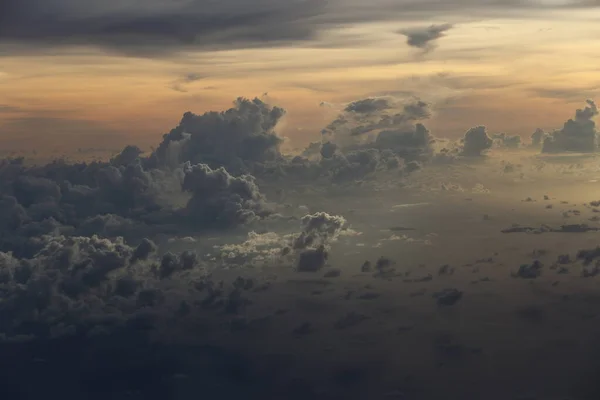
577	135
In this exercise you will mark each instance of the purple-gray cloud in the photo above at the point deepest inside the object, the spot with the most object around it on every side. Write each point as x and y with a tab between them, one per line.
158	27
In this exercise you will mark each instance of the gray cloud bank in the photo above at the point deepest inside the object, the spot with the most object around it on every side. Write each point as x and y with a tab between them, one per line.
160	26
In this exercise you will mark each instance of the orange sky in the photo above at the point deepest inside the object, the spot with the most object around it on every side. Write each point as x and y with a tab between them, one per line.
510	75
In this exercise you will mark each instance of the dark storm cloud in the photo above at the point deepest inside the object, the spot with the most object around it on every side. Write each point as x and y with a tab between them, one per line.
160	26
423	37
577	135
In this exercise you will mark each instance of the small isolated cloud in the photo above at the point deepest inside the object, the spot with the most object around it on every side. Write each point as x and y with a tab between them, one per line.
423	37
180	84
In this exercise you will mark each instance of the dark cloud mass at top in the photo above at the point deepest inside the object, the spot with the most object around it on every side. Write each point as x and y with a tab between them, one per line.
161	26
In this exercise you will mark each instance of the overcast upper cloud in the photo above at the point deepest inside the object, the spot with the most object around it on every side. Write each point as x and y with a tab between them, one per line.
160	26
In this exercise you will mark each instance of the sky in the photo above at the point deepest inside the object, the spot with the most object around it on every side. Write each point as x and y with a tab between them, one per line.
359	219
97	75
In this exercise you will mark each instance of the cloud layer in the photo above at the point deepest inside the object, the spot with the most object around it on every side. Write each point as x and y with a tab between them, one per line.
160	27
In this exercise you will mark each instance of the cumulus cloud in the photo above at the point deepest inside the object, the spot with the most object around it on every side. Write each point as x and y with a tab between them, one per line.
204	175
80	285
134	196
234	139
307	250
378	133
423	37
219	199
577	135
476	141
318	229
369	136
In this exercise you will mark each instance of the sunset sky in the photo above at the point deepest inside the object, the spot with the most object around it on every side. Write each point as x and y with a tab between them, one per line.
79	74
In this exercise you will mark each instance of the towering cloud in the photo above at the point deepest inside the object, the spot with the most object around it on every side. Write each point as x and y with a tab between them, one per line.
234	139
476	141
577	135
134	196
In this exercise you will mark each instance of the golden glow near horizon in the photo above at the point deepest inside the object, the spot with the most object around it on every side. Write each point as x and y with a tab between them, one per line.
511	75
